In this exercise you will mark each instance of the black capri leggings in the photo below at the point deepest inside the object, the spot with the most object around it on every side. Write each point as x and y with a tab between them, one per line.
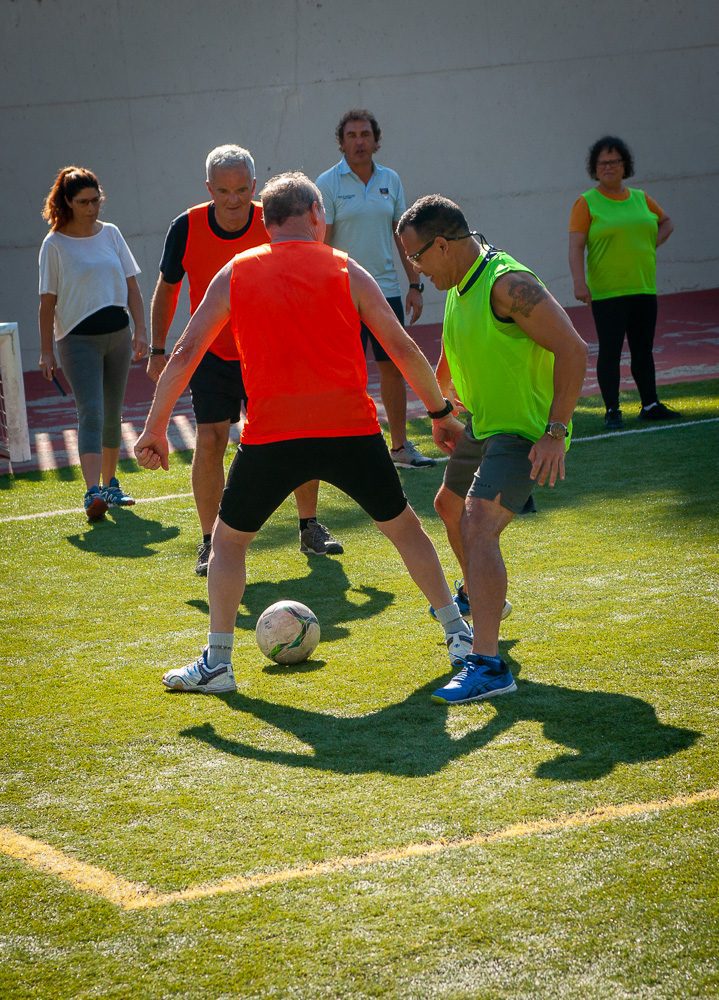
635	316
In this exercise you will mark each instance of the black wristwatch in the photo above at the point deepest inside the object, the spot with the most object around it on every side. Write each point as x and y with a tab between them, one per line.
418	285
557	430
157	350
444	412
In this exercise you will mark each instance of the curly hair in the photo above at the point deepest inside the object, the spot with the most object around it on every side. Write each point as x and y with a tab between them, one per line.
361	115
608	142
68	182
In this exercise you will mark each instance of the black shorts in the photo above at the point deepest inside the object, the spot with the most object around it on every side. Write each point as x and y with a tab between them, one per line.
377	350
218	391
262	476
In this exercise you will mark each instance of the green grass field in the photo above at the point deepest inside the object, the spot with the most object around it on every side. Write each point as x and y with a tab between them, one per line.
346	836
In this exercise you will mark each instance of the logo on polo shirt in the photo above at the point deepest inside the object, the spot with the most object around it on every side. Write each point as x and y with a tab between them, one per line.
384	192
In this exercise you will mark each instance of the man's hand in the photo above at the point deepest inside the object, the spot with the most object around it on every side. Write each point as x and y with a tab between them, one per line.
547	458
47	365
152	451
447	432
413	305
155	365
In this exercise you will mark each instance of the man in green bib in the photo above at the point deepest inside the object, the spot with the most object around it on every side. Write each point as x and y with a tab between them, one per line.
513	358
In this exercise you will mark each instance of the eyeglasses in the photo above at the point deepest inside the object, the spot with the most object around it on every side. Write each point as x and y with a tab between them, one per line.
610	163
88	201
414	257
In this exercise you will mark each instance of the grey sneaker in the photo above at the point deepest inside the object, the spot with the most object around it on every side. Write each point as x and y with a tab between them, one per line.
316	540
203	557
199	677
410	457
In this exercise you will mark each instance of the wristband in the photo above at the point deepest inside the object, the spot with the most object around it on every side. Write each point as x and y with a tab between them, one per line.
444	412
157	350
418	285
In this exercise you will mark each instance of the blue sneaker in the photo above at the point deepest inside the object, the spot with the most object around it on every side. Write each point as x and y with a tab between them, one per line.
114	495
197	676
462	601
94	504
480	677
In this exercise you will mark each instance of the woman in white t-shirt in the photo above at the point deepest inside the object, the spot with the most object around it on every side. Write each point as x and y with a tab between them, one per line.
88	282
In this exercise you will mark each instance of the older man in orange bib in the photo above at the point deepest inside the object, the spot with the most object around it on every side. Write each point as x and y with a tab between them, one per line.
295	306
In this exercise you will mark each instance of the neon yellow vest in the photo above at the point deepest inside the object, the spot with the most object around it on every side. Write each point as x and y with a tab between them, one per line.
621	245
503	377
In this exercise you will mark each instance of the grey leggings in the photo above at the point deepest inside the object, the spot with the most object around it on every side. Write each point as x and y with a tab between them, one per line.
96	367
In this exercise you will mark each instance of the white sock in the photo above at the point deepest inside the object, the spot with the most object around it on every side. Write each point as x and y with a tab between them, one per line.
219	648
450	619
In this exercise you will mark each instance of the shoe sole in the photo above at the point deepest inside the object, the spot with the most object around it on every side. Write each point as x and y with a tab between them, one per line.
204	689
331	551
408	465
96	510
124	503
477	697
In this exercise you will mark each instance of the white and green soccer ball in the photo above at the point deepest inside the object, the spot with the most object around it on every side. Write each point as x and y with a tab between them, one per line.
287	632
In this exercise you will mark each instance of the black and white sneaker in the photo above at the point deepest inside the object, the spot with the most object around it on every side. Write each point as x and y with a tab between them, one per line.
199	677
316	540
203	558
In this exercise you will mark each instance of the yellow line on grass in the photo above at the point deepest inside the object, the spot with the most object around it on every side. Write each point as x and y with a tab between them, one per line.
136	896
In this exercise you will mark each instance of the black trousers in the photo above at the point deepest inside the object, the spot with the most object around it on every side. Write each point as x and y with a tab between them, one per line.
636	317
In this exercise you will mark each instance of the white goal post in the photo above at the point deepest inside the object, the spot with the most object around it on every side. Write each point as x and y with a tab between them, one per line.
14	435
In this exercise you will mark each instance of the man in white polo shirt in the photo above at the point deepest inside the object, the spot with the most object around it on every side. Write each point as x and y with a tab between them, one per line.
363	202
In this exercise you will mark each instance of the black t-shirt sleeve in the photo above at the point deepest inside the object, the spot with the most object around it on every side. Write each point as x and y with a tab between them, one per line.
171	267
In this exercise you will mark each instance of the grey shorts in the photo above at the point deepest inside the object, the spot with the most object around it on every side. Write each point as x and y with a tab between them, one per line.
495	466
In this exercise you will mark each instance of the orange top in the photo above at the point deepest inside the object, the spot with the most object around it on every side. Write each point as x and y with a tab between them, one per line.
205	254
298	334
580	218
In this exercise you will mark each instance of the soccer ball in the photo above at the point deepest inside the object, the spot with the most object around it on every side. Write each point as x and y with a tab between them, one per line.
287	632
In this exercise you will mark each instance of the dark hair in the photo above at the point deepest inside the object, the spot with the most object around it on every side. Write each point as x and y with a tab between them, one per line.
361	115
609	142
287	195
68	182
434	215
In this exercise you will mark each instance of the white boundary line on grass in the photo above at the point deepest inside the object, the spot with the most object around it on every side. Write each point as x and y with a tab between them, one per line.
185	496
129	895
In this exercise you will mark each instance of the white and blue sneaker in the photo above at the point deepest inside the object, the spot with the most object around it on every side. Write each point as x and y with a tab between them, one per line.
198	676
480	677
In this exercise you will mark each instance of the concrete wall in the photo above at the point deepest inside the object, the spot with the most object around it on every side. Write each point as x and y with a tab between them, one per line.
492	104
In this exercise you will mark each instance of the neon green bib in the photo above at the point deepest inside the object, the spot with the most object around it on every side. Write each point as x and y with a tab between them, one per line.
621	245
503	377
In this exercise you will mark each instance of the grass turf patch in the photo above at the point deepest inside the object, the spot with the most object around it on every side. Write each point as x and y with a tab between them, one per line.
613	642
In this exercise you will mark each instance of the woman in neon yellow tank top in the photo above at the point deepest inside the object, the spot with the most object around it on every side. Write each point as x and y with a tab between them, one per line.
620	228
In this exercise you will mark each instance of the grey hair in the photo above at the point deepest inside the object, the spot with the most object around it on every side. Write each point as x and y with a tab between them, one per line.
288	195
229	157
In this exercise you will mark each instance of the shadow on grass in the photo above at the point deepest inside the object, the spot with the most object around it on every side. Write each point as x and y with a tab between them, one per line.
410	738
325	589
123	534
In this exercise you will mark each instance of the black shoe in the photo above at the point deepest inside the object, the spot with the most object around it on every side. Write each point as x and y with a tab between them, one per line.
203	557
613	420
658	411
316	540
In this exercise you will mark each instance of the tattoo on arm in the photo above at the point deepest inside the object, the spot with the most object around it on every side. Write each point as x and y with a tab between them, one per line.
525	295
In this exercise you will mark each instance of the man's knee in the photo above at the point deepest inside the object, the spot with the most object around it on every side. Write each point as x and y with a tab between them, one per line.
211	440
448	505
229	541
484	520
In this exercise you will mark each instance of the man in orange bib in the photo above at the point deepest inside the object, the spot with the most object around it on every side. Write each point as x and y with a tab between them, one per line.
199	242
295	308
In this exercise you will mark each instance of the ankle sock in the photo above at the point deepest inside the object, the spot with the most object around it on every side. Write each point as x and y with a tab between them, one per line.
219	648
450	619
305	521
